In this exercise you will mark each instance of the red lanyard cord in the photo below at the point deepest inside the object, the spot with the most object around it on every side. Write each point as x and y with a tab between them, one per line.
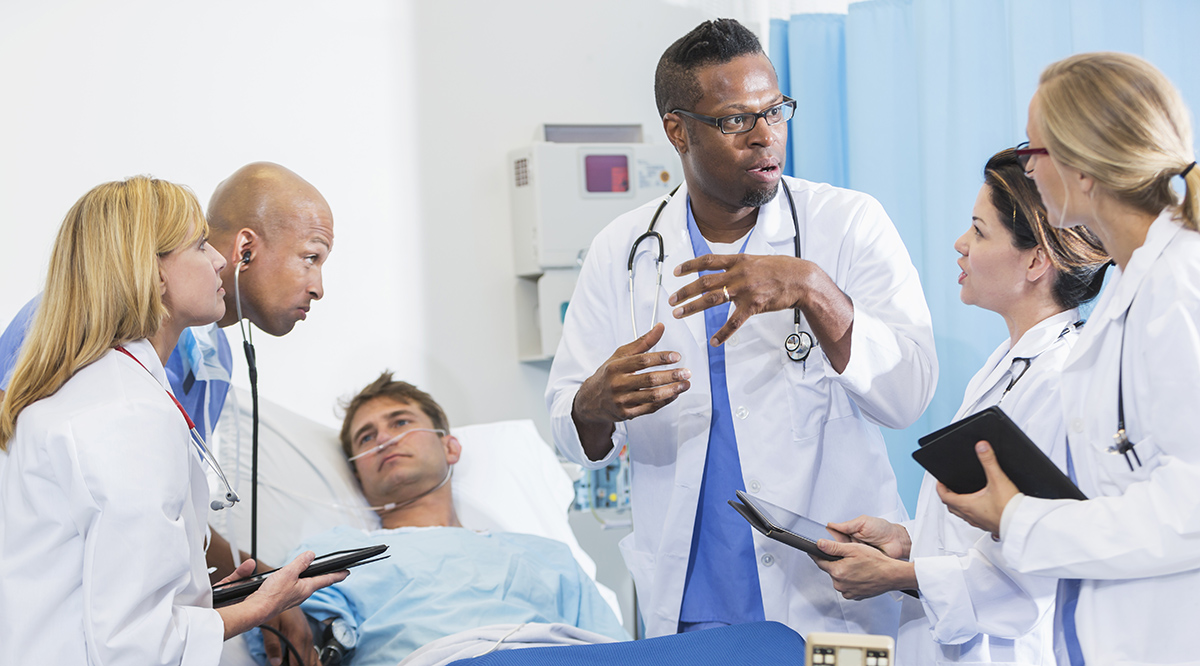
230	496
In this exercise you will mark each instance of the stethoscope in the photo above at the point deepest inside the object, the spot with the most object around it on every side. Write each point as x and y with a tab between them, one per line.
231	497
798	345
1027	361
252	370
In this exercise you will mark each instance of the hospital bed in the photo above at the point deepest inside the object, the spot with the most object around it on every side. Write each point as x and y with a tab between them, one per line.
508	480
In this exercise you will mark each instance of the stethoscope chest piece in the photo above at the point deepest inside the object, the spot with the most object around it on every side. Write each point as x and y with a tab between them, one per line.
798	345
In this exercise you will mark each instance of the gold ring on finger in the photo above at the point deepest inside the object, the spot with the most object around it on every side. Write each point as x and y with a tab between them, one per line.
726	291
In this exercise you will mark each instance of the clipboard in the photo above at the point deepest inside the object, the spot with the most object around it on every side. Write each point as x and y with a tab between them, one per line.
949	455
233	592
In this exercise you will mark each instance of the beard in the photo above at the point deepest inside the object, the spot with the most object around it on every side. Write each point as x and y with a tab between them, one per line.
758	198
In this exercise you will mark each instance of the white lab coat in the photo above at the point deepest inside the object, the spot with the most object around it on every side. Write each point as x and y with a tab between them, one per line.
102	526
972	611
806	436
1136	542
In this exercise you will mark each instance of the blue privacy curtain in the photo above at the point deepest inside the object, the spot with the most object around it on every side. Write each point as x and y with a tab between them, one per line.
906	100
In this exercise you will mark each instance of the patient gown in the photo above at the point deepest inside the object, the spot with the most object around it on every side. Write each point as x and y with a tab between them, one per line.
438	581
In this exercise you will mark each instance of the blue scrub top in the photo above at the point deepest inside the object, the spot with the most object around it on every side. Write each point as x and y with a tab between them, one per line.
721	586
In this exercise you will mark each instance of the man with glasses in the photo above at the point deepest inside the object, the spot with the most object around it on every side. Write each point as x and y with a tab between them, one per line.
813	331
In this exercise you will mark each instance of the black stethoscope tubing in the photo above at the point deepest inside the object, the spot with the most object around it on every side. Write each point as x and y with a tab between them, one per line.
798	345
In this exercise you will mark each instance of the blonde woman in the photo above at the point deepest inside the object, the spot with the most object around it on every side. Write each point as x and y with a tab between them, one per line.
1035	277
103	501
1108	135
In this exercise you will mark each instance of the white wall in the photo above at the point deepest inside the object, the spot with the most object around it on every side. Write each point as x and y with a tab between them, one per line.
189	91
488	74
401	113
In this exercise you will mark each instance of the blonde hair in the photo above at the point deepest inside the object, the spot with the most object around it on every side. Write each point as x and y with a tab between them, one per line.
1118	119
102	289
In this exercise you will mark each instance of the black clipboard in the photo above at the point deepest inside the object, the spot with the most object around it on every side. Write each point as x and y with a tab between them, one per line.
233	592
949	455
788	528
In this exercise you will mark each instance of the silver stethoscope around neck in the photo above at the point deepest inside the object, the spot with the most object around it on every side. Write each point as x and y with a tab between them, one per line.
798	345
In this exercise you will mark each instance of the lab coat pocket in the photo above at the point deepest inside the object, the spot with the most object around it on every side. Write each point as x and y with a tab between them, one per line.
851	473
1117	471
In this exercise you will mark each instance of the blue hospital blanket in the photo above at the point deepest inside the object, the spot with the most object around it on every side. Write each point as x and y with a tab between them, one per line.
441	580
753	644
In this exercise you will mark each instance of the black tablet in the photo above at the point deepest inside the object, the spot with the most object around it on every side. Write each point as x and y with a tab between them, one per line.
791	529
949	455
234	592
786	527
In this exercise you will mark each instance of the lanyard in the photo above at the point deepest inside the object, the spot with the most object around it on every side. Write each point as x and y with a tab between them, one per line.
191	424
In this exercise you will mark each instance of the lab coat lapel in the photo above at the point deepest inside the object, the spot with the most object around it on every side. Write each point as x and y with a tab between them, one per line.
1035	341
678	248
981	383
773	231
1123	285
1157	238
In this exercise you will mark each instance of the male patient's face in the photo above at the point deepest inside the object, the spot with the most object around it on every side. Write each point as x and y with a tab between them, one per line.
409	467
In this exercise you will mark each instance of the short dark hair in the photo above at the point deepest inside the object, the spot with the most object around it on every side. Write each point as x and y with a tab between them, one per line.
710	43
1077	254
386	387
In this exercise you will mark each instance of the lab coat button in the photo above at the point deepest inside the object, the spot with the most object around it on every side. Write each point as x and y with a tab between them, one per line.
768	559
742	412
733	340
1077	425
755	486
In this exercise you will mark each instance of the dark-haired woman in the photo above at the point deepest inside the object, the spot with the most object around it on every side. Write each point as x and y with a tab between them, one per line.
1035	277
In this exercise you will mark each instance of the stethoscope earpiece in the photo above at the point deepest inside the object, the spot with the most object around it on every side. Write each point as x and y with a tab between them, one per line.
231	498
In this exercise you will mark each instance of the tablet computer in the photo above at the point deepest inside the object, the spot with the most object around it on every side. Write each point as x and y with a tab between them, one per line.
777	523
949	455
788	528
230	593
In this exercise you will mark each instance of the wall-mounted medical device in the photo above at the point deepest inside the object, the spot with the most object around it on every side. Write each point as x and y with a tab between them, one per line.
565	187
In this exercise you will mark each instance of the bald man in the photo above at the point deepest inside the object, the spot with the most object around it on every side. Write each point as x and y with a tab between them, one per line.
276	230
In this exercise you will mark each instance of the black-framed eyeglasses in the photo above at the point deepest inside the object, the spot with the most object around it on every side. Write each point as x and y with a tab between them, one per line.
740	123
1024	152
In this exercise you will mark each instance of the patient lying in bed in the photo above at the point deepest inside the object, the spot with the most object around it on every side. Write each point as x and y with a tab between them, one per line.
440	578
